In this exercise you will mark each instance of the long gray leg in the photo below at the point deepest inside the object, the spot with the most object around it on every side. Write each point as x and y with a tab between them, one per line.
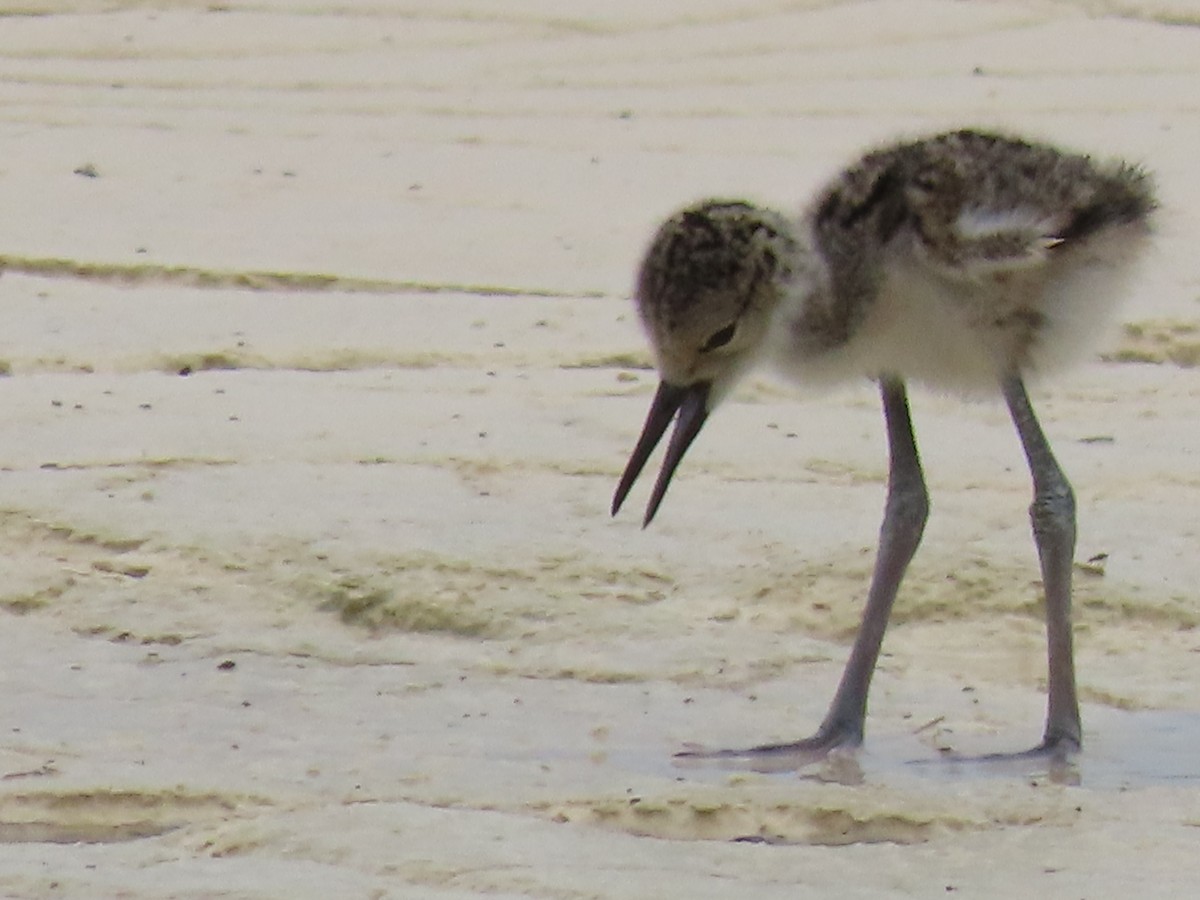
1053	516
904	517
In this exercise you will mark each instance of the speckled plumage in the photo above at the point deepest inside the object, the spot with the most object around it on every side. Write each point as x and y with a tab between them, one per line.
966	260
997	236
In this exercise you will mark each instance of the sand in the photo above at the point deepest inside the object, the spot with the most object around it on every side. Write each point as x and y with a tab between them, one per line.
320	370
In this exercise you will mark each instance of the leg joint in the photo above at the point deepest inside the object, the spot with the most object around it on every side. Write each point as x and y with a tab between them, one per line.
908	507
1053	511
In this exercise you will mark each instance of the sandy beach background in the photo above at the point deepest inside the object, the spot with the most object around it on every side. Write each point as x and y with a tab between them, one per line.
320	367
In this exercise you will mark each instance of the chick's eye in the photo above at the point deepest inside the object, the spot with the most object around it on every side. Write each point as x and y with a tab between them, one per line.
720	338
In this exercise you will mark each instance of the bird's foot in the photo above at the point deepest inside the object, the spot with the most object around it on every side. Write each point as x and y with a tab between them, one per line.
1054	758
1054	748
835	747
1059	747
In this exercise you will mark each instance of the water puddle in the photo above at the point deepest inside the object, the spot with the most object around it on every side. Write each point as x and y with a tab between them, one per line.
1123	750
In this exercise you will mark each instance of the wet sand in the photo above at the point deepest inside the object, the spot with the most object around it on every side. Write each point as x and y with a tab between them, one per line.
321	368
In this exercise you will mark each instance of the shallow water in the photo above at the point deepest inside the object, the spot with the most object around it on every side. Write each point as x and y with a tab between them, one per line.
1123	750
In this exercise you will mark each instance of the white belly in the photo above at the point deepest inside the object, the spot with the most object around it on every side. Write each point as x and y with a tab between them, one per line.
962	334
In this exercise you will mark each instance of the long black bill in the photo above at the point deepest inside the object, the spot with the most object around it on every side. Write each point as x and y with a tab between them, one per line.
691	403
